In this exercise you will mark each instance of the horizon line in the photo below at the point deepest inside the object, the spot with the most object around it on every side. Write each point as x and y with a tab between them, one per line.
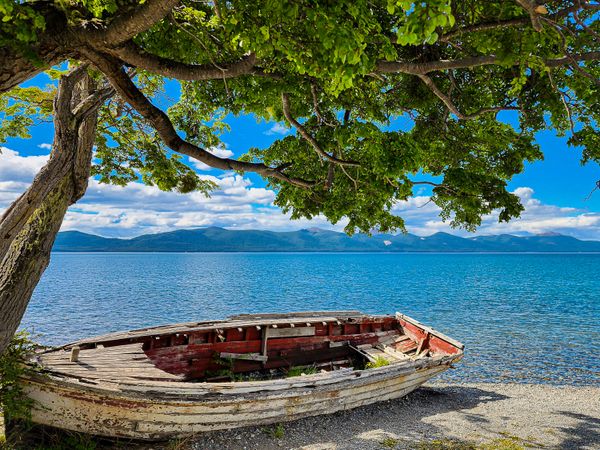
374	234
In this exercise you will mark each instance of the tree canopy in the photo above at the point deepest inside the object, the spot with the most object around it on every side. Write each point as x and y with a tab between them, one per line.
339	73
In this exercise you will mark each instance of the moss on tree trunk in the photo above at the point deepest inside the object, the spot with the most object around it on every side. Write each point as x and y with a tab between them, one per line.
28	257
30	225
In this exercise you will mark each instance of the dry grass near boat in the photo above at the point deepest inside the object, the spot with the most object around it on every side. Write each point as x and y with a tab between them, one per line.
176	380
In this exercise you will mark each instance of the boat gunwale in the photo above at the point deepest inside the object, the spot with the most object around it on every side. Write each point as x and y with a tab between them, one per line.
459	345
122	387
232	322
183	392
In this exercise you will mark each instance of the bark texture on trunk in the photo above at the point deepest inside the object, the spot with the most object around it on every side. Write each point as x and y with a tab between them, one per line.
51	47
30	225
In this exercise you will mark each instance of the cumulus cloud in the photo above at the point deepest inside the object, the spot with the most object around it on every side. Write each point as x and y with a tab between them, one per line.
14	167
237	203
422	218
45	146
16	173
277	128
136	209
221	152
543	218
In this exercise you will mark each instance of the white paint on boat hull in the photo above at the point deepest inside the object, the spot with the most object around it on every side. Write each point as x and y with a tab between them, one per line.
111	412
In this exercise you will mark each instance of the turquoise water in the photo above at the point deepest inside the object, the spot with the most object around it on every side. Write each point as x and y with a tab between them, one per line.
531	318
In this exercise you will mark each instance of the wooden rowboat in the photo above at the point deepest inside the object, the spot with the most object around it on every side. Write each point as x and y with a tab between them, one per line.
171	381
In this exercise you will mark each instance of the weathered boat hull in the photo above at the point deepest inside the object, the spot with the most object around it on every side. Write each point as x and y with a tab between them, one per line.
157	410
121	413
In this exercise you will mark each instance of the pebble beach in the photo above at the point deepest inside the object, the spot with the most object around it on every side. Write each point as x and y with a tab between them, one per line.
438	416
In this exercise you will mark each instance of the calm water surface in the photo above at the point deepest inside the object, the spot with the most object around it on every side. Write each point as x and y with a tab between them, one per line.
524	318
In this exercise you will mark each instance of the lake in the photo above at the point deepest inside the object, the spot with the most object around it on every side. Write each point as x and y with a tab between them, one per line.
527	318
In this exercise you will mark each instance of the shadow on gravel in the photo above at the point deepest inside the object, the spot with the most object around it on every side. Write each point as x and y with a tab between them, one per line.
398	420
585	434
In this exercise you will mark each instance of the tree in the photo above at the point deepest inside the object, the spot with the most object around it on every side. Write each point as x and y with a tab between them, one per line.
337	72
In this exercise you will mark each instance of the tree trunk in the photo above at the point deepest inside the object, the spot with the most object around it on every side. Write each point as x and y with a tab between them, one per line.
30	224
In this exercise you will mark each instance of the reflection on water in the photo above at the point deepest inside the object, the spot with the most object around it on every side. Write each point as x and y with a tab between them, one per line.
523	318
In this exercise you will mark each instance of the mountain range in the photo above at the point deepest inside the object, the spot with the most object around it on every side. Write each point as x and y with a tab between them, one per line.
215	239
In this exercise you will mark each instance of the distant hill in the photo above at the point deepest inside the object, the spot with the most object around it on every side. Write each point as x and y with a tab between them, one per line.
214	239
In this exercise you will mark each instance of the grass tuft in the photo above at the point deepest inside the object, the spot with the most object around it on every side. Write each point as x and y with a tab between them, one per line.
507	442
389	442
300	370
380	361
445	444
15	405
276	432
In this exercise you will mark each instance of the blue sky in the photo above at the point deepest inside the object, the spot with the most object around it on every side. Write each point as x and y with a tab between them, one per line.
553	192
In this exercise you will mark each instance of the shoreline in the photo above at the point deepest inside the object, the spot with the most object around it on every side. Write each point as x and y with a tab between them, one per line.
437	416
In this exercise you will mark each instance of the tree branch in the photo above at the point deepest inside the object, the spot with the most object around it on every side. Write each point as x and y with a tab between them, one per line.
285	101
574	64
64	93
484	26
50	48
313	91
92	102
351	179
534	11
347	113
431	66
469	62
318	113
133	55
565	60
563	97
452	107
442	186
165	129
579	5
126	25
430	183
582	24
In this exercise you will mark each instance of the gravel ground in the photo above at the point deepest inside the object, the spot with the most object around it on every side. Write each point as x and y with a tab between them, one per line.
497	415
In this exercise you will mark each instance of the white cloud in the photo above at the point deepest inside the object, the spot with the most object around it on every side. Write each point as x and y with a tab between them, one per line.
14	167
137	209
45	146
277	128
221	152
422	218
16	173
543	218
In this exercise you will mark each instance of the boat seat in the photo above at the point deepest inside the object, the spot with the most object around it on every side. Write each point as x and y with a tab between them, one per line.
373	352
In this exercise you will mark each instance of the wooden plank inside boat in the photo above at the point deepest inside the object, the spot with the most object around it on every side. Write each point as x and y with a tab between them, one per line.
125	361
